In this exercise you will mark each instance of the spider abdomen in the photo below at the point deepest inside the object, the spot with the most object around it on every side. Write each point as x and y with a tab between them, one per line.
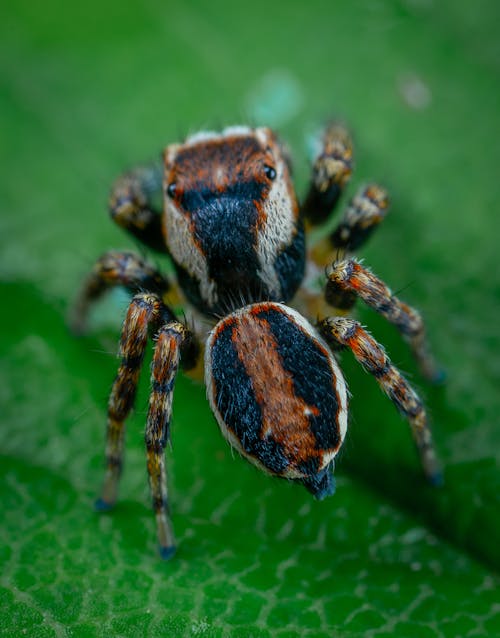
277	393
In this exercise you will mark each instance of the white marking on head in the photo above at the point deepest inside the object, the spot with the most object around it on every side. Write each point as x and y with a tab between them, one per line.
210	136
186	253
237	130
281	219
201	136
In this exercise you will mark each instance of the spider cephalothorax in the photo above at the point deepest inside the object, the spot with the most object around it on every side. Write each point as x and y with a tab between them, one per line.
231	224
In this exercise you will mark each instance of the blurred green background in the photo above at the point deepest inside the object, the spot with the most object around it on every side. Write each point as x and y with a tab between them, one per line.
90	89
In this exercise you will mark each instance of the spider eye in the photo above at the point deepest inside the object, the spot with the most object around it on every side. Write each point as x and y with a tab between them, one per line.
171	189
270	172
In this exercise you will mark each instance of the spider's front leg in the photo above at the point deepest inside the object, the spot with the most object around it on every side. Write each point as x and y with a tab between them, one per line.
135	204
146	314
347	280
371	355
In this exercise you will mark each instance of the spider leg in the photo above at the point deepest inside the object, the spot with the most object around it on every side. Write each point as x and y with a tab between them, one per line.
331	172
143	314
135	204
347	280
169	342
365	212
115	269
146	314
372	357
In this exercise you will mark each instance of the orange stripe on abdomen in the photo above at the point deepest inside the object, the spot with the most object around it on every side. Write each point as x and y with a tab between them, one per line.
285	415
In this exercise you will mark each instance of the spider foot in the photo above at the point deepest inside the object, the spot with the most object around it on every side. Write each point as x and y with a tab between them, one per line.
166	553
100	505
437	479
438	377
166	540
432	467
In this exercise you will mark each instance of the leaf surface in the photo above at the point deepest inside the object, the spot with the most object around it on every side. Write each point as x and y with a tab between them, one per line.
91	89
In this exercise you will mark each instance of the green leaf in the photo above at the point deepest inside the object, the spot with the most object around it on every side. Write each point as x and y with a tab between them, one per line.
91	89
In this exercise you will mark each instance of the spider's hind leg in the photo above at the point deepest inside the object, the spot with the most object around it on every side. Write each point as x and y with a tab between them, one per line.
371	355
348	279
143	314
147	314
170	340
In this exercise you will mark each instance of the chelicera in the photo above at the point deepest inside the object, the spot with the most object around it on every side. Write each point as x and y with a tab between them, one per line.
236	236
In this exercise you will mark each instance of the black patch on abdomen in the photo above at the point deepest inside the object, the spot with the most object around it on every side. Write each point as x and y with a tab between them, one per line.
312	377
235	401
313	381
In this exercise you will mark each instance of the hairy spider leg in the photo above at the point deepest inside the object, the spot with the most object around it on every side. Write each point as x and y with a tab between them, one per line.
366	210
143	314
331	171
135	204
374	360
116	268
146	314
164	369
363	214
348	277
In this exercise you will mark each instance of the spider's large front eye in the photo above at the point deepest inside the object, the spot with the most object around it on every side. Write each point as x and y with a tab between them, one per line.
171	189
270	171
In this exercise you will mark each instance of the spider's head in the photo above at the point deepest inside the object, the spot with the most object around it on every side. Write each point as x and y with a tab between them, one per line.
230	215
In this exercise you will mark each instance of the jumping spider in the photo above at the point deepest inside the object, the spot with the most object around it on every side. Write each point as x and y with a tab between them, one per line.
235	233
